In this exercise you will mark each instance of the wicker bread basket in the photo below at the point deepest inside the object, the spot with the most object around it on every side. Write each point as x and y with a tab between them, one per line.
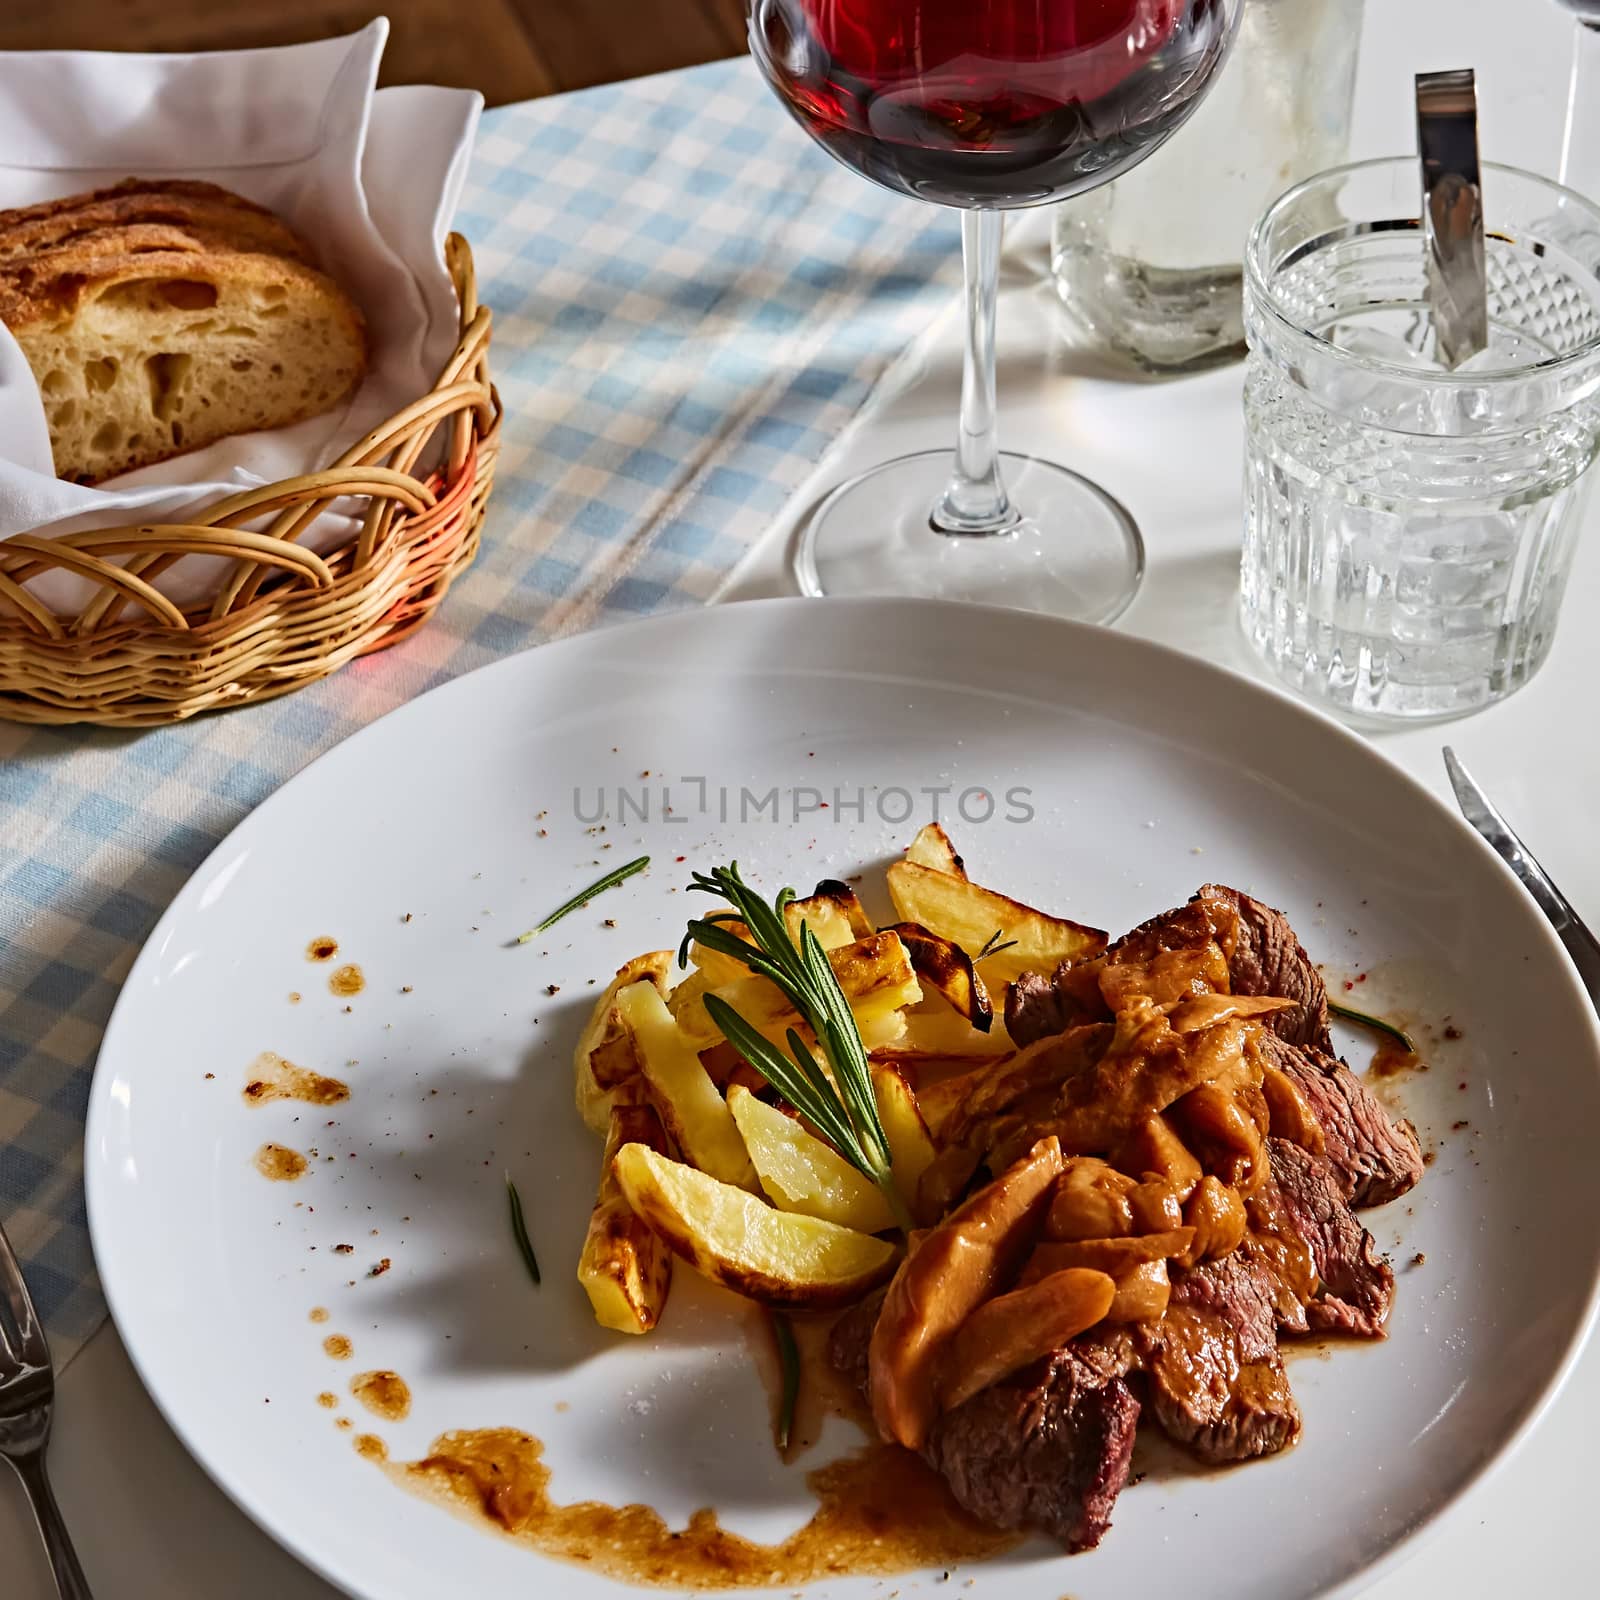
283	616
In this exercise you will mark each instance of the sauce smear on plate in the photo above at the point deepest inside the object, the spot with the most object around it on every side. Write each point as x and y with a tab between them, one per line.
273	1078
880	1511
279	1163
383	1393
346	981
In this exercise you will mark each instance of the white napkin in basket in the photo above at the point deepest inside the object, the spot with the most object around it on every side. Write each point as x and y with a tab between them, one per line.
371	178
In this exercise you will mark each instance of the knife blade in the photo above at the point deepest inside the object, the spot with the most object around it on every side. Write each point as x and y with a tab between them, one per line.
1480	811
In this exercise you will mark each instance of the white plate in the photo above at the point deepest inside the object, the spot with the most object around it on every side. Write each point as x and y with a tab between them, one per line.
1146	773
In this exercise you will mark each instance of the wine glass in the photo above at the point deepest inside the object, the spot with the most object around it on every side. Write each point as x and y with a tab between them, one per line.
1580	140
986	105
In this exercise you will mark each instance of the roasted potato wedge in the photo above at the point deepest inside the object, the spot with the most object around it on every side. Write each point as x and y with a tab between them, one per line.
606	1034
624	1267
881	1030
718	967
942	965
721	1061
932	848
779	1258
971	916
801	1173
910	1144
875	974
935	1032
834	912
615	1060
691	1106
685	999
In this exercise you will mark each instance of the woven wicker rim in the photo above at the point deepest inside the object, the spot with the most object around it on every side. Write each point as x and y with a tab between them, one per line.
282	615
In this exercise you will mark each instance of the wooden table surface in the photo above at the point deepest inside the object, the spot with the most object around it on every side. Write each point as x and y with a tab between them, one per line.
510	49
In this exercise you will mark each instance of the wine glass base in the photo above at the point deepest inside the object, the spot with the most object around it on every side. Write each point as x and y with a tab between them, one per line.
1076	552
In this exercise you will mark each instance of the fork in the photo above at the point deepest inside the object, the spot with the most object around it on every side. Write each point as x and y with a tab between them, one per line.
27	1400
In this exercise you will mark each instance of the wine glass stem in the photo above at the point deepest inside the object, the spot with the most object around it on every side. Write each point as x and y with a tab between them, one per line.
1580	145
975	500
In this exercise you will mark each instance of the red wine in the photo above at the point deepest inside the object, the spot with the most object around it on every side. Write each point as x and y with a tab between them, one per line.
990	102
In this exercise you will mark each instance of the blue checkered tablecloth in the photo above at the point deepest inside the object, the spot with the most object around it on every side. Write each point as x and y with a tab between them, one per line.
690	301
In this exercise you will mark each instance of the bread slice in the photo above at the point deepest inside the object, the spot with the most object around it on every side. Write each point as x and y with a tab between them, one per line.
171	202
148	340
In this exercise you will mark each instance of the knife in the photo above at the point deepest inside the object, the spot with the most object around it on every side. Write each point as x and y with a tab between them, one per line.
1477	808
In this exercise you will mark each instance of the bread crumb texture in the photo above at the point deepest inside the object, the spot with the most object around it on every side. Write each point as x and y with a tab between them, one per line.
149	338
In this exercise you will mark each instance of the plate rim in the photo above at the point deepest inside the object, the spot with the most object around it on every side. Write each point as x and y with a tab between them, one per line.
1402	1549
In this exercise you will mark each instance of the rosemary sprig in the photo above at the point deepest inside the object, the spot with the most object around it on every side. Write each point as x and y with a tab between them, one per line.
610	881
837	1099
993	946
1377	1024
519	1231
789	1367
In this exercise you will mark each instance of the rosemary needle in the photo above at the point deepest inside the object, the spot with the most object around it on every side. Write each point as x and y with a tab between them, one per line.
583	897
994	945
789	1365
1377	1024
519	1231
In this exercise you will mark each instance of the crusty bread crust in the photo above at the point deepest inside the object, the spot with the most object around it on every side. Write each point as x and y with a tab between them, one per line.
149	339
177	203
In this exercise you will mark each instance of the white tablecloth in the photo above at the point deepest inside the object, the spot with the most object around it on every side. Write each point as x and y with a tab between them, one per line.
149	1524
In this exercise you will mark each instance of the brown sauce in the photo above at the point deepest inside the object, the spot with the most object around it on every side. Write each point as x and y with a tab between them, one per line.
1287	1255
346	981
343	1422
1391	1058
824	1392
327	1400
322	949
881	1510
279	1163
383	1393
1312	1349
319	1313
273	1078
371	1446
337	1347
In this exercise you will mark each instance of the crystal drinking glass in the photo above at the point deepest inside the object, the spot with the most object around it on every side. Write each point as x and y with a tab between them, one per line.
985	105
1409	527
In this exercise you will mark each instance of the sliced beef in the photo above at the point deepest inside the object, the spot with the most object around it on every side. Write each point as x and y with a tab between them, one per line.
1304	1200
1039	1008
1215	1378
850	1339
1173	953
1164	959
1265	957
1048	1448
1376	1159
